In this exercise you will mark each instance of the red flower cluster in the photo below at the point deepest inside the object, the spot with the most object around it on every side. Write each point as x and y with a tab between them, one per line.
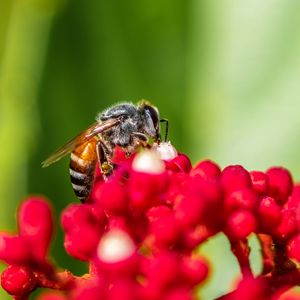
140	230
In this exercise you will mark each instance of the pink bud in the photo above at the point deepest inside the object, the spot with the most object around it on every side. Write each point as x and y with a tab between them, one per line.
240	224
17	280
260	182
280	184
36	222
235	178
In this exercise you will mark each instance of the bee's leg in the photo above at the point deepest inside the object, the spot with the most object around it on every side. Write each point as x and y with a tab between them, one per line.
104	157
140	139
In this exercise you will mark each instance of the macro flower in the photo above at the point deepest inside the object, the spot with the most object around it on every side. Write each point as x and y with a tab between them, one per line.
140	231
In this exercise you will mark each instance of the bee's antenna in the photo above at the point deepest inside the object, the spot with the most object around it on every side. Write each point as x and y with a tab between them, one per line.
166	129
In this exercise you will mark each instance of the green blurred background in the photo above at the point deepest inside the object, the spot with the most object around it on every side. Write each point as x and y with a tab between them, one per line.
225	73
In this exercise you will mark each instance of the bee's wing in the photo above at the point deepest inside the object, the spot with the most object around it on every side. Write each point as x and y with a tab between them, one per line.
81	138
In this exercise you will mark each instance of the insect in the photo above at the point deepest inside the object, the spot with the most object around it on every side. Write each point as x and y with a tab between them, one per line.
125	125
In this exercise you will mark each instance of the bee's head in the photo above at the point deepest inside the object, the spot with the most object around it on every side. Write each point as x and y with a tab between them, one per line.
152	121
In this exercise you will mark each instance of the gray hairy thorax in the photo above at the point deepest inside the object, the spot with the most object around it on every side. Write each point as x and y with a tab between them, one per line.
122	134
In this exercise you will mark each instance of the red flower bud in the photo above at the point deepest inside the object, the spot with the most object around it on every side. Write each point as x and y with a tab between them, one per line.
161	270
76	215
36	223
280	184
15	249
181	163
194	270
287	226
112	196
163	226
269	213
206	169
244	198
189	211
82	241
235	178
240	224
18	280
260	182
195	236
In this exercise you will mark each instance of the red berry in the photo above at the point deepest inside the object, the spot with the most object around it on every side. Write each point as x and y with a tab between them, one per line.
17	280
280	184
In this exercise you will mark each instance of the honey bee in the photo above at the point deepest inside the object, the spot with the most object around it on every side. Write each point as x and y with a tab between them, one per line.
125	125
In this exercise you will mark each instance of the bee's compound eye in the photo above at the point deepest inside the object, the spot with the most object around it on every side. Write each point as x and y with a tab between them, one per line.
154	115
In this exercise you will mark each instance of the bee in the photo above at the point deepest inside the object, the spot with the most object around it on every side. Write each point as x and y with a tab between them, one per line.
125	125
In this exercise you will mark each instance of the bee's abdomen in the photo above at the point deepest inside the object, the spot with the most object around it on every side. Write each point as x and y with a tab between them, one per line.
82	167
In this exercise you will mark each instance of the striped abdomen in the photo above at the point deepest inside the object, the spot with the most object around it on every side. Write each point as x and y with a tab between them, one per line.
82	168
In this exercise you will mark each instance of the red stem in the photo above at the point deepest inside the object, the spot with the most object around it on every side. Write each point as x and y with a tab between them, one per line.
267	251
241	250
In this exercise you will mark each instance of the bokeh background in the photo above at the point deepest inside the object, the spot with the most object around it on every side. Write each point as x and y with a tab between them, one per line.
225	73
